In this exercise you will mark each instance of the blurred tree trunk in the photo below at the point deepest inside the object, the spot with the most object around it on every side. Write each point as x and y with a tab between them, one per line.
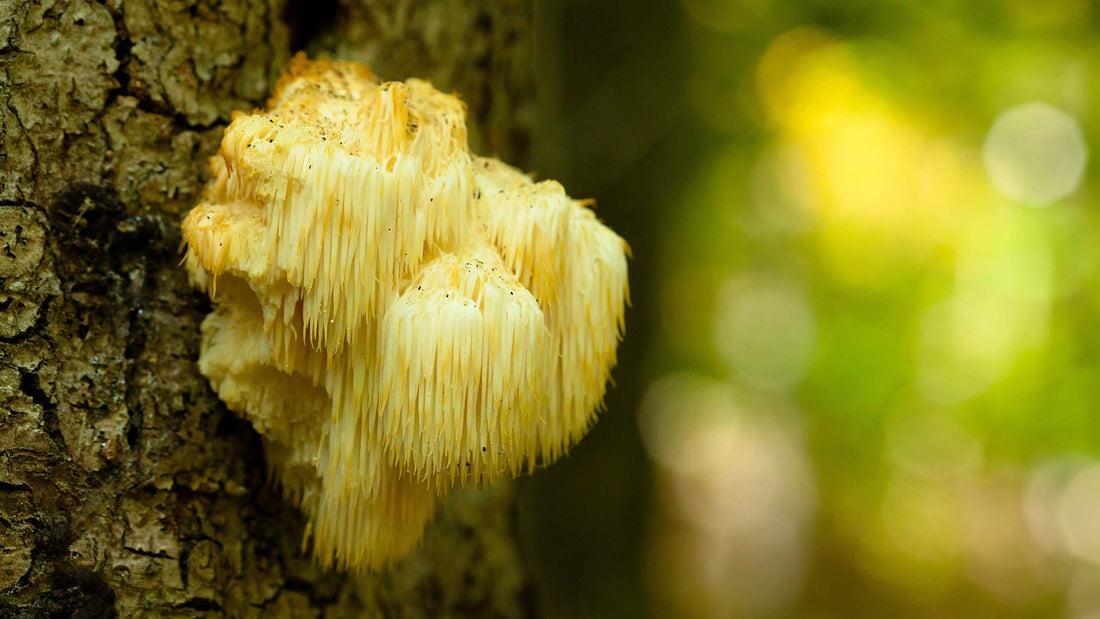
126	488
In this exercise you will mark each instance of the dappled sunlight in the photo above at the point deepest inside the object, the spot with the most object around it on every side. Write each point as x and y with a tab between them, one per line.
866	196
734	500
884	181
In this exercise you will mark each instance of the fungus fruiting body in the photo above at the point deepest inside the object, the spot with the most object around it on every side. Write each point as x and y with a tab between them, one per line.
395	315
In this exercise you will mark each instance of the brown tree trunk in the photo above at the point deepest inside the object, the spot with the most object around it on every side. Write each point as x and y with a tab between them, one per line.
126	487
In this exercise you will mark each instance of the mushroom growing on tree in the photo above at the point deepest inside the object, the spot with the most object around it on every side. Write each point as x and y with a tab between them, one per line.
393	314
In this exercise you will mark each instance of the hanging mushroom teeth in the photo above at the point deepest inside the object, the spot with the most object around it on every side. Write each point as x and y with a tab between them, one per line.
576	267
393	314
464	350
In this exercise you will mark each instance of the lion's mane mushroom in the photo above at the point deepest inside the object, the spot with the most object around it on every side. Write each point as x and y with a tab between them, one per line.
392	313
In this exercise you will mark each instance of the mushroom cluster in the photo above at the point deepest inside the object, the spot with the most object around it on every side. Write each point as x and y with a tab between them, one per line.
393	314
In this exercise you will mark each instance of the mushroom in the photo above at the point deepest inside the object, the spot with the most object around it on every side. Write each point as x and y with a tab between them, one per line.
393	314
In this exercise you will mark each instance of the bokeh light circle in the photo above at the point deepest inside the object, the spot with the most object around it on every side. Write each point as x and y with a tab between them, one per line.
1035	154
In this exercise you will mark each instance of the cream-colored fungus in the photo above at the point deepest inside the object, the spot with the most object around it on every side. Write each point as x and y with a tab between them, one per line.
394	314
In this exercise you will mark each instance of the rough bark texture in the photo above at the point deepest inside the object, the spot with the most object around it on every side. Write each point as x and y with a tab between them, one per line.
126	487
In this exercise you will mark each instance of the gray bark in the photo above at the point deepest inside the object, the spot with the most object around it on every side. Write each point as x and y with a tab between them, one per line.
126	488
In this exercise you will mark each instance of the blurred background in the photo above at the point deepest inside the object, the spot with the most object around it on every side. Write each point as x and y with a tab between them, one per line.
860	375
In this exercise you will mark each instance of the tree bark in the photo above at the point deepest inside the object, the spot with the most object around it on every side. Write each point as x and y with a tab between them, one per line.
126	488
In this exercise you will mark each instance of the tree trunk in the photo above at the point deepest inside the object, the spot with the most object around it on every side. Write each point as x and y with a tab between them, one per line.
126	488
